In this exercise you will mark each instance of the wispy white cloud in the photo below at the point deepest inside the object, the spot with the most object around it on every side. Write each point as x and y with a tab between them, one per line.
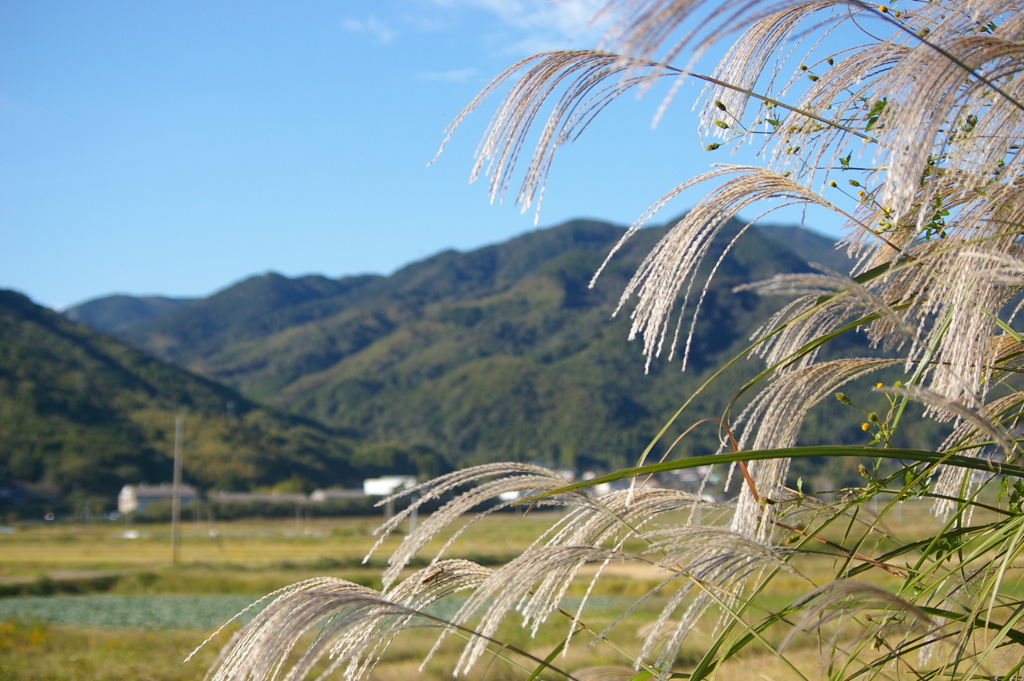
371	25
453	76
545	25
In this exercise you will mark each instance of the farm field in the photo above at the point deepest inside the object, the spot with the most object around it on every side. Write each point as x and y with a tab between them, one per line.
85	602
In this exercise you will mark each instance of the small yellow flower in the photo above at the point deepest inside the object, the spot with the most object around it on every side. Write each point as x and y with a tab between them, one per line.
865	426
832	183
879	385
861	193
883	9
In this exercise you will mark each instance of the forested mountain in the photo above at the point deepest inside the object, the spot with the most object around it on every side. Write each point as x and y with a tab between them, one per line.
812	247
499	353
112	314
81	412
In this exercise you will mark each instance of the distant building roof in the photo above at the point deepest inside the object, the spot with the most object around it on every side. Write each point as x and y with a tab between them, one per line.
163	491
249	497
333	494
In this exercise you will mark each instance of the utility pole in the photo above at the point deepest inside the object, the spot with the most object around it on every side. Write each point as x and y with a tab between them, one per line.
176	489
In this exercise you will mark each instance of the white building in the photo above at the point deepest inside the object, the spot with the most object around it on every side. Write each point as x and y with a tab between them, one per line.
387	485
138	497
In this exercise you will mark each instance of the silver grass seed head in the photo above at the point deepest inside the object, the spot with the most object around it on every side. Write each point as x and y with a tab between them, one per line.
687	548
510	584
673	264
439	580
438	487
969	439
454	510
845	598
605	673
772	420
352	612
712	558
954	409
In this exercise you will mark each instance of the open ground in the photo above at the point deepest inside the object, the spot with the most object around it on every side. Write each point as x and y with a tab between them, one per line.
103	601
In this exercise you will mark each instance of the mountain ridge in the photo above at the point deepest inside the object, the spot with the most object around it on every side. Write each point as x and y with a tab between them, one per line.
108	313
500	351
114	313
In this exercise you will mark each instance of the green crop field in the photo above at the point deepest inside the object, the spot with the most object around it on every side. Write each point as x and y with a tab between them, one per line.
86	602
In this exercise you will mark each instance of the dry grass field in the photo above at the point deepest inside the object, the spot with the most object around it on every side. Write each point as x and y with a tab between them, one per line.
62	621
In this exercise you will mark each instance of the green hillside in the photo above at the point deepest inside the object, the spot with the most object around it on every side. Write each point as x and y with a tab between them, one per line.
499	353
82	413
810	246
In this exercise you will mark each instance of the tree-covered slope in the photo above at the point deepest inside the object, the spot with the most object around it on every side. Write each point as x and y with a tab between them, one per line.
811	246
82	411
499	353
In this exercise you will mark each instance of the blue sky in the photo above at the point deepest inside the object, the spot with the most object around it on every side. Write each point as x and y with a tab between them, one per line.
174	148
